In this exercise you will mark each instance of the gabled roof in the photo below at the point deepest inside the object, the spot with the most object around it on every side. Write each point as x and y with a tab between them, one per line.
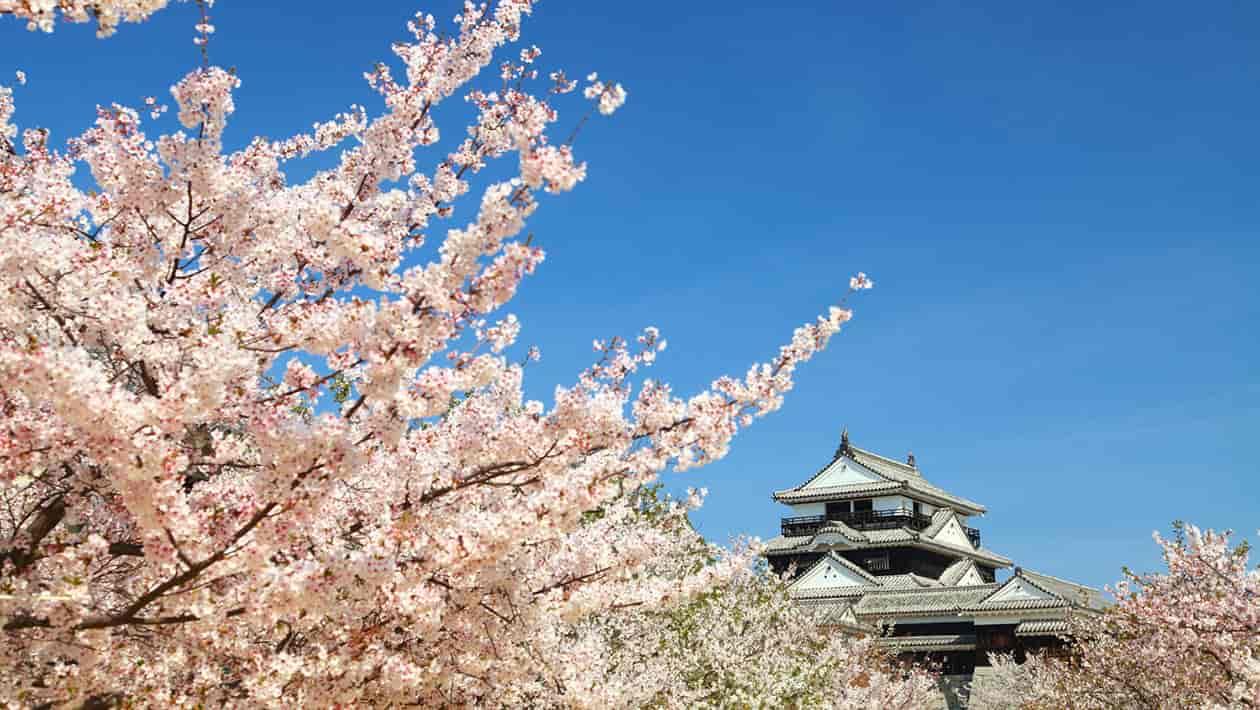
1030	590
834	577
838	616
1078	594
961	573
947	529
897	470
833	572
885	476
939	519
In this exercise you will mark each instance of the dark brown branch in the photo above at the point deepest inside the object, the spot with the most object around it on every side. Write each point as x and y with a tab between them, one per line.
355	407
572	580
486	474
42	524
315	384
65	328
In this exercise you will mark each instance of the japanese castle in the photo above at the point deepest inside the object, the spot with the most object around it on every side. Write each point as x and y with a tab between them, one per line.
877	549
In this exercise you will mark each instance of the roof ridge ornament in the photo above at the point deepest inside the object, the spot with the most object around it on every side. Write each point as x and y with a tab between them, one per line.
910	461
845	449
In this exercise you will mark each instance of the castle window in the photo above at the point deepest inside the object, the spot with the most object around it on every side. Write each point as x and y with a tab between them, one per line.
836	510
878	563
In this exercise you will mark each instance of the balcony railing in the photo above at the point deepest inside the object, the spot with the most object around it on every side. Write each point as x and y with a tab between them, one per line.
866	520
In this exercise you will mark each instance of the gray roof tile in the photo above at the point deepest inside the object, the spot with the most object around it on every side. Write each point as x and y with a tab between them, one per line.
1062	594
898	475
884	465
806	495
1041	628
939	520
844	537
906	581
1078	594
940	642
779	542
955	572
933	601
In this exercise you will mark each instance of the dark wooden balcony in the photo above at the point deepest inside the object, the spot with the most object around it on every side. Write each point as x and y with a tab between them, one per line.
866	520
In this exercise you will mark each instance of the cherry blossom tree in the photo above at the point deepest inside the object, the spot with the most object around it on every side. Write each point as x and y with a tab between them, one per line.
1189	638
42	14
265	441
741	643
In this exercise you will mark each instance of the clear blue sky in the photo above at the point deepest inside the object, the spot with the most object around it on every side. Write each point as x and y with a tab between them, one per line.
1058	205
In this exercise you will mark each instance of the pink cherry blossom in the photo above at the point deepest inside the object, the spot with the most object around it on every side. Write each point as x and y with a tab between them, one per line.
1186	638
266	443
41	14
608	97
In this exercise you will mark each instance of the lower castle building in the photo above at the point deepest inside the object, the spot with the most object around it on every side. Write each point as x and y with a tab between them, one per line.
877	549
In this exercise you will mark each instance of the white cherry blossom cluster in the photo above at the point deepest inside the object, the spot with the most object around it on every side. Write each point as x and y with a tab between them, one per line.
743	643
608	97
1198	624
42	14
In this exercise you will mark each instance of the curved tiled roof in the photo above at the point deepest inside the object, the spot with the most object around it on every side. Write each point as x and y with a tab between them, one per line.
909	580
1022	605
940	642
836	615
955	572
781	543
897	475
871	582
935	601
847	538
874	583
1042	628
806	595
1078	594
884	465
939	520
808	495
883	537
1059	594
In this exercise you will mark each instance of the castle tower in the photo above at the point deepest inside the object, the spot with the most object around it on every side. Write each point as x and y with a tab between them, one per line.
872	543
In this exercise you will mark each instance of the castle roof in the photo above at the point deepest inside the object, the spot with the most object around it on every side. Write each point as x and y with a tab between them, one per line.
1052	627
944	536
857	473
834	578
840	593
939	601
1032	590
846	595
895	596
941	642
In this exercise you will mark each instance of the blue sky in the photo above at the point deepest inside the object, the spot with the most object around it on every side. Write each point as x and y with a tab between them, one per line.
1057	203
